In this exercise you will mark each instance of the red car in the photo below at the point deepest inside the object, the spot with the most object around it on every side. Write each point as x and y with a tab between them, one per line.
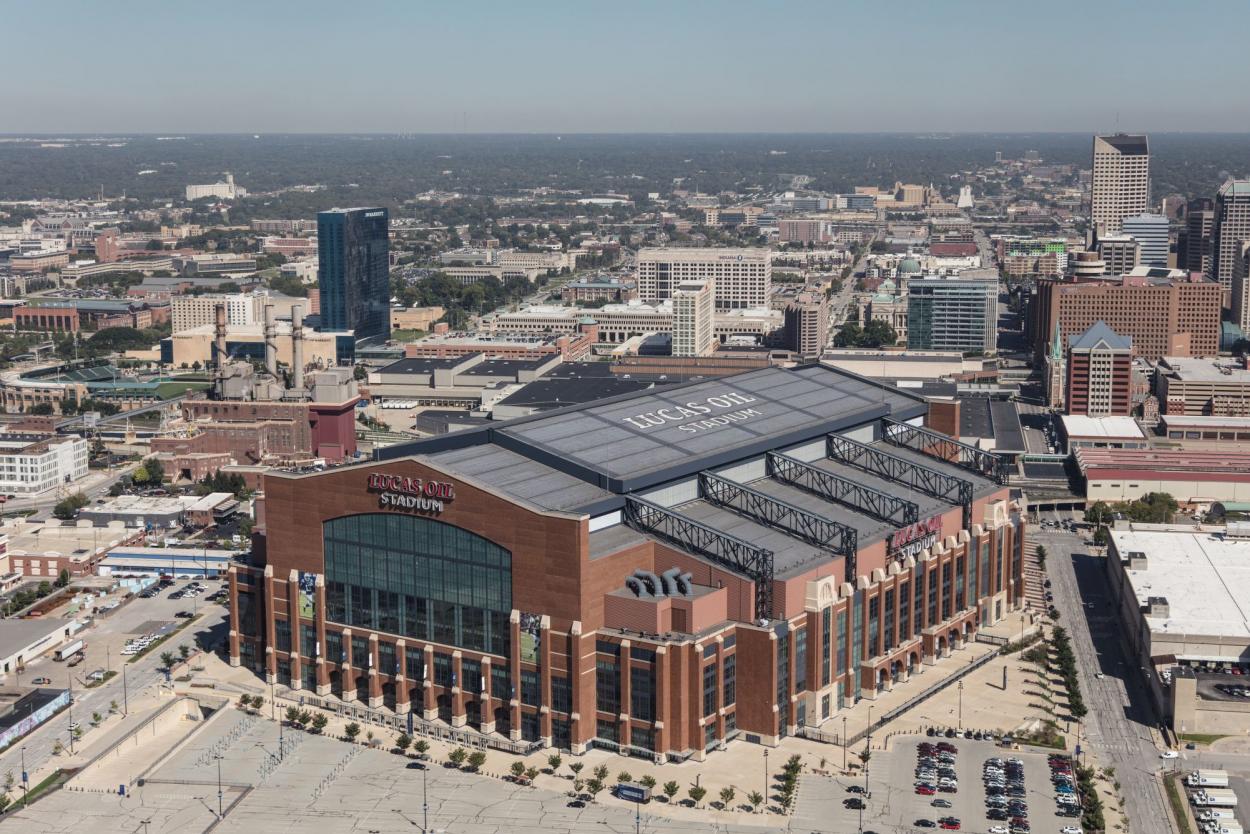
925	790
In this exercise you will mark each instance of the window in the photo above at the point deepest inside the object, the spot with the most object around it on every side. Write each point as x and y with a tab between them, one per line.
826	637
500	683
607	686
420	578
531	687
730	688
442	670
470	676
709	689
606	730
642	693
800	659
308	640
561	694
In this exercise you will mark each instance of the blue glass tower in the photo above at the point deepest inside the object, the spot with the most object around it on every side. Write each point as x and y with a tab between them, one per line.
353	271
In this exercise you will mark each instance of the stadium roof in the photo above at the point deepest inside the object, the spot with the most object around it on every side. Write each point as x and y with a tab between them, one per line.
646	438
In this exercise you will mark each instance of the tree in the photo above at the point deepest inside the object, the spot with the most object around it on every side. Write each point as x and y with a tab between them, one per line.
476	759
756	799
878	333
167	660
696	794
1098	513
726	797
670	790
457	756
402	742
351	731
517	770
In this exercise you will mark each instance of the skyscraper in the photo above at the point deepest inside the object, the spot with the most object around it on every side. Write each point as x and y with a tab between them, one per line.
1195	255
952	314
1151	233
353	271
1120	186
1230	230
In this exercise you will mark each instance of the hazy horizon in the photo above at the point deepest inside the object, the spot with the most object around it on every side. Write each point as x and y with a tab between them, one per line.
648	67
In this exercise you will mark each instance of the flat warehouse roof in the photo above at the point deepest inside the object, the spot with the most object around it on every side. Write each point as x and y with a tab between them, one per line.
1205	578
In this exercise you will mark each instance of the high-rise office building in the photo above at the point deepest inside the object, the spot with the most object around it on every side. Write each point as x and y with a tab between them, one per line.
353	271
1099	373
740	277
952	314
1230	232
1164	316
693	309
1151	233
1194	252
1120	253
1120	184
807	324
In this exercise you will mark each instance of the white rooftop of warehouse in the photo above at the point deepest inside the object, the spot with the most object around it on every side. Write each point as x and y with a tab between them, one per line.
1078	425
1205	577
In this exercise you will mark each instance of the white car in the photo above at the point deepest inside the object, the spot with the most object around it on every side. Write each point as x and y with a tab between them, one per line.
1169	754
1070	829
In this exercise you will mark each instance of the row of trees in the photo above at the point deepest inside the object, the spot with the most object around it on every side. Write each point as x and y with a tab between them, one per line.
1065	663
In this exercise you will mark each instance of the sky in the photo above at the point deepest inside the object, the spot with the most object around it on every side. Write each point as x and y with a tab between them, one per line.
401	66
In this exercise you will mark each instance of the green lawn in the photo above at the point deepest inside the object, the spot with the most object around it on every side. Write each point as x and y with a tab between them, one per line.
167	390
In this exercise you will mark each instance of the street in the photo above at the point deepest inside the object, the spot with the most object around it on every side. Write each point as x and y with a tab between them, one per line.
103	651
1117	729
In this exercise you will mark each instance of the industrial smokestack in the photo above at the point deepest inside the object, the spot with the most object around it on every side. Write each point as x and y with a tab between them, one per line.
297	347
219	344
271	343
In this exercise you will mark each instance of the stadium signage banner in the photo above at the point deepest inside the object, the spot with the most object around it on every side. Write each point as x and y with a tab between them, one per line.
698	415
914	538
401	492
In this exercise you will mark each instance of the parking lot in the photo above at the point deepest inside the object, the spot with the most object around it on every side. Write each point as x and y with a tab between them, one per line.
894	806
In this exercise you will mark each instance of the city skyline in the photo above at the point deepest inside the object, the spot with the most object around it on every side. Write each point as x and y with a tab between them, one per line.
645	68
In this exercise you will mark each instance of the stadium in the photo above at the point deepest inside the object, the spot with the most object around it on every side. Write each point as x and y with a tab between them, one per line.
657	573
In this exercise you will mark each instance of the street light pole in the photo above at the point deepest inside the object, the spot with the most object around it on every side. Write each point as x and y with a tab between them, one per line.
844	740
220	812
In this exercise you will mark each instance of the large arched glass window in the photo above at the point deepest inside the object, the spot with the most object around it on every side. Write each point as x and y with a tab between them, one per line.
418	578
